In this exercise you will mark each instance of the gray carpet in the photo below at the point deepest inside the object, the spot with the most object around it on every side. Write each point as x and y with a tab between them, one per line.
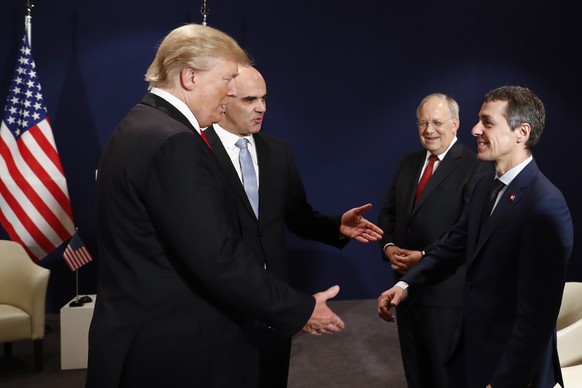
18	371
365	354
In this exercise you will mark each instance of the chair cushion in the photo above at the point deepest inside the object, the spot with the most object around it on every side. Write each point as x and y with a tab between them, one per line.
15	324
571	308
572	376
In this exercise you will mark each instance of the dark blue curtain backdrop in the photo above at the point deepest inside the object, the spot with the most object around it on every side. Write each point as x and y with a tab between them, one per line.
344	79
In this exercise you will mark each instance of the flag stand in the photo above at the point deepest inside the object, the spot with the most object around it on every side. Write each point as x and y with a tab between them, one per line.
79	301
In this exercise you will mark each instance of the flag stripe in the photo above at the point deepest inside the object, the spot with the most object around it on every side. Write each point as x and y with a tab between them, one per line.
50	175
32	249
41	202
22	226
46	141
15	191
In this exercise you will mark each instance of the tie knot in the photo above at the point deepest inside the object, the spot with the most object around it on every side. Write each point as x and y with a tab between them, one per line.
496	186
494	189
242	143
432	160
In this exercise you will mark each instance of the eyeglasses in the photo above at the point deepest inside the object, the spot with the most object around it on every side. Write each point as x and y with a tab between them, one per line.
423	124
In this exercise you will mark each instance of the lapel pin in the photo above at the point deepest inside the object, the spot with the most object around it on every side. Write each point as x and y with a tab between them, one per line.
512	197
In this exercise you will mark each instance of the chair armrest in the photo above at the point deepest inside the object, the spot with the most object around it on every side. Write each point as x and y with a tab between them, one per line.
570	344
38	307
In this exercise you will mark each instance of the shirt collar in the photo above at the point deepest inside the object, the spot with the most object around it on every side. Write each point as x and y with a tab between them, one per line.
510	175
229	139
442	155
178	104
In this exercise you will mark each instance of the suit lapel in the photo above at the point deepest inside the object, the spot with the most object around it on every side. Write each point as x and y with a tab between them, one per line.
159	103
446	166
407	187
262	157
507	204
228	168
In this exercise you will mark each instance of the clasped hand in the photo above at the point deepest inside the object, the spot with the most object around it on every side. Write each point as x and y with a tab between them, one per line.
401	259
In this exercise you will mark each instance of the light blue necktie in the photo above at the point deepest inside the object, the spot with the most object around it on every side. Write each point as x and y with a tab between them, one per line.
249	176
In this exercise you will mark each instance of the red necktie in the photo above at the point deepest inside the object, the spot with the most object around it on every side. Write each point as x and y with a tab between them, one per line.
425	176
205	139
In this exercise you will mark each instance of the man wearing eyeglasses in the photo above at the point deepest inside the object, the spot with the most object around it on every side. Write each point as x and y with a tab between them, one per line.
413	219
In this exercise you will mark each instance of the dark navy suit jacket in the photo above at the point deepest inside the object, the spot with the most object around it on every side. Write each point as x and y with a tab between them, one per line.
515	274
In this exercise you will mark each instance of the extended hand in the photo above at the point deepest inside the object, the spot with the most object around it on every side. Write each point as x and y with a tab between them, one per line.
356	227
323	320
389	299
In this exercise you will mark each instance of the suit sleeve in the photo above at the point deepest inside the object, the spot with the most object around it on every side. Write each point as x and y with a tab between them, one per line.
387	216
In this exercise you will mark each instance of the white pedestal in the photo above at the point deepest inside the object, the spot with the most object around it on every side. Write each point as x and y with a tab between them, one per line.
74	334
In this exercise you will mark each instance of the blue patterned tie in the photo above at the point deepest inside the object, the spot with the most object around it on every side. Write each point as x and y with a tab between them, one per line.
249	176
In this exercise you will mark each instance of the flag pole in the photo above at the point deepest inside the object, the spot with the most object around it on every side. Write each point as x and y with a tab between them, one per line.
204	11
28	21
76	302
79	301
84	298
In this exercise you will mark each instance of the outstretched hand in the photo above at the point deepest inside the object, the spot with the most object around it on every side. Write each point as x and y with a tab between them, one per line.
388	299
356	227
323	320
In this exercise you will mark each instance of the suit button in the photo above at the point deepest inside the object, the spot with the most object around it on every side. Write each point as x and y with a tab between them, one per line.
468	285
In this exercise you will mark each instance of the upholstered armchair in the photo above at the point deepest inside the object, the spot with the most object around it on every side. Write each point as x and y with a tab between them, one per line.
569	325
23	286
569	334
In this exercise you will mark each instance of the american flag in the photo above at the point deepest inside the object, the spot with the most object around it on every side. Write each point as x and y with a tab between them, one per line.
35	209
76	254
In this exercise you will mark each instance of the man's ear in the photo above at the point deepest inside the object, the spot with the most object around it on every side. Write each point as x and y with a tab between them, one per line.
523	132
188	78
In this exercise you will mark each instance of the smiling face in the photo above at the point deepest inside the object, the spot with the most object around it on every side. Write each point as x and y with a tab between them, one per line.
436	126
496	141
211	91
245	112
